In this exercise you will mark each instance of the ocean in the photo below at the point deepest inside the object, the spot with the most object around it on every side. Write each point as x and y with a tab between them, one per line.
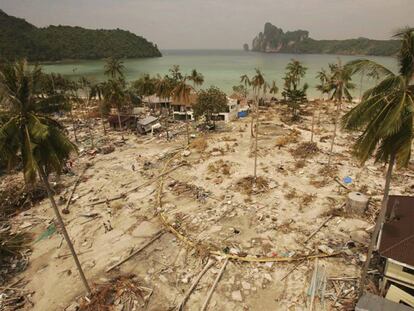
221	68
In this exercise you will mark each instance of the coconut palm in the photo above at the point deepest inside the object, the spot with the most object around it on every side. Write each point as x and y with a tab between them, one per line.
86	86
114	95
323	78
293	95
196	77
32	138
258	83
176	73
181	93
273	89
340	85
97	92
163	89
145	86
385	117
114	68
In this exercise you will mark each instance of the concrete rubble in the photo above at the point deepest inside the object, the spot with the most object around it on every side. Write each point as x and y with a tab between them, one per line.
208	198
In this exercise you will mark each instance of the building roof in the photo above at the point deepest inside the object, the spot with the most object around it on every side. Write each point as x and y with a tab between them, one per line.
147	120
397	235
193	99
154	99
370	302
114	118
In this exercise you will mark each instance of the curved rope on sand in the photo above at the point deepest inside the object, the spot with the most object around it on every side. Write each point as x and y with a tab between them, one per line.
187	241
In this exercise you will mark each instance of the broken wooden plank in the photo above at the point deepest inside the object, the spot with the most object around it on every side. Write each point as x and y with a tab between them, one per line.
318	229
208	265
210	293
293	269
65	210
157	236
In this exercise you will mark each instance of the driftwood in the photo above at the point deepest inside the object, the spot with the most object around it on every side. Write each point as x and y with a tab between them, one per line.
319	228
157	236
210	293
208	265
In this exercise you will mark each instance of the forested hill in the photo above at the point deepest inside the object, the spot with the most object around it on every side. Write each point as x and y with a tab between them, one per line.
274	40
19	38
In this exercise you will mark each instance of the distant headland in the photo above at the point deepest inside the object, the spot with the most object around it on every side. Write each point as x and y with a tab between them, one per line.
275	40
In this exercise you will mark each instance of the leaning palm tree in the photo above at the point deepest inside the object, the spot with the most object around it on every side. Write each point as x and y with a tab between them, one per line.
114	68
32	138
340	86
196	77
385	116
181	93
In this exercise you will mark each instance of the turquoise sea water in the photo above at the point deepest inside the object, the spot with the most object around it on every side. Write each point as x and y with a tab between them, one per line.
221	68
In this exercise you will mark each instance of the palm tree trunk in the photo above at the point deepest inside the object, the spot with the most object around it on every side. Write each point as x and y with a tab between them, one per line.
360	86
378	224
63	227
334	132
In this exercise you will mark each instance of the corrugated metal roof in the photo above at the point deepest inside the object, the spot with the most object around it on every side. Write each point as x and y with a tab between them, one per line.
147	120
370	302
397	236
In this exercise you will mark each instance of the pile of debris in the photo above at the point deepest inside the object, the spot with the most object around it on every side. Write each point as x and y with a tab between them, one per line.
305	150
182	188
15	196
248	185
122	293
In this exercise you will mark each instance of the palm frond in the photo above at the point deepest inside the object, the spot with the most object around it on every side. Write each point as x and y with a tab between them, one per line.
367	66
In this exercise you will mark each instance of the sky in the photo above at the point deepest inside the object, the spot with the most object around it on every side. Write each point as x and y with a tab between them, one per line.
220	24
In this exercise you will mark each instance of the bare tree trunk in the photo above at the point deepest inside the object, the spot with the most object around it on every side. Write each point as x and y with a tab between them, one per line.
313	125
378	224
338	109
186	127
90	134
63	227
103	123
119	121
256	140
74	125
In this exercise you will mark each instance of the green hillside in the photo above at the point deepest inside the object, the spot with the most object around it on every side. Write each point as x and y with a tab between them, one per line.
19	38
